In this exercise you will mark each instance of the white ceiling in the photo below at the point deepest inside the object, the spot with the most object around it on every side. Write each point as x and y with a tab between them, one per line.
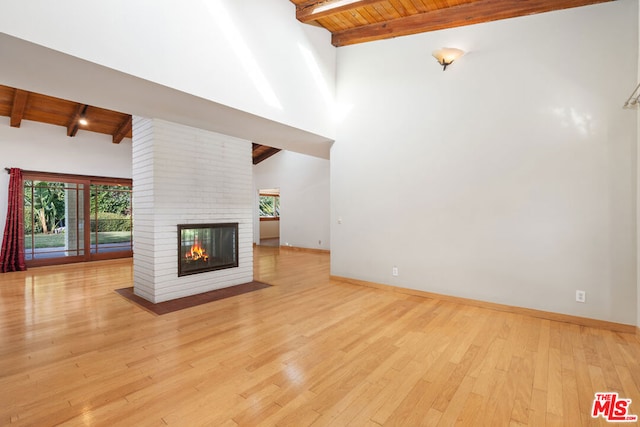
35	68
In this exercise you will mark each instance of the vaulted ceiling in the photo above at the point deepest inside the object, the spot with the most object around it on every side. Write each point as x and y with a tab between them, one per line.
358	21
22	105
19	105
348	21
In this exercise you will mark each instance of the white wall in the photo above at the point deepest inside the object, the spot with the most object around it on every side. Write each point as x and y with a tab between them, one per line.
252	55
510	178
638	196
46	148
183	175
304	198
269	229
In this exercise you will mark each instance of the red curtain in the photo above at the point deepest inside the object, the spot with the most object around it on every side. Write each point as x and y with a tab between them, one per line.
12	254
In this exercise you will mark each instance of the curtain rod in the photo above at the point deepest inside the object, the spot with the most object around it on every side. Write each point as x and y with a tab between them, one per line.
71	176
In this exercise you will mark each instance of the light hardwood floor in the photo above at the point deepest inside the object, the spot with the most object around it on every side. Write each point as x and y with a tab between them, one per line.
306	351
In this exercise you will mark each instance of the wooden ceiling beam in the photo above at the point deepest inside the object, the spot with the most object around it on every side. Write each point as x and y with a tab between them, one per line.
123	130
265	155
72	126
313	10
18	107
454	16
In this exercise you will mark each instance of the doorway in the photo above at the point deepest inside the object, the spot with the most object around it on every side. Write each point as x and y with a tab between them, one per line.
269	213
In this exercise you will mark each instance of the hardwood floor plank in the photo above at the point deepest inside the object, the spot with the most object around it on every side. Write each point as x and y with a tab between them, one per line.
384	383
570	395
522	371
473	410
412	406
396	391
555	398
538	407
455	406
486	374
305	351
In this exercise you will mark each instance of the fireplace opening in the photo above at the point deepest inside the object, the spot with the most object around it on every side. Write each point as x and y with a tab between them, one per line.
207	247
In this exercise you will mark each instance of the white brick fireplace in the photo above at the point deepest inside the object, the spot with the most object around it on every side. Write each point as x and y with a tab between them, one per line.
184	175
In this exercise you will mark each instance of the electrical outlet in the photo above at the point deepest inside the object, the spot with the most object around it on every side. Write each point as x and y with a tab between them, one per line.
581	296
394	271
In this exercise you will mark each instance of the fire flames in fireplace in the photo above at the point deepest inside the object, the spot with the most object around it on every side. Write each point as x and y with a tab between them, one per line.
207	247
197	253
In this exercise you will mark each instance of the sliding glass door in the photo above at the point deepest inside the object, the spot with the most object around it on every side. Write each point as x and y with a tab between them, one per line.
54	220
111	221
68	218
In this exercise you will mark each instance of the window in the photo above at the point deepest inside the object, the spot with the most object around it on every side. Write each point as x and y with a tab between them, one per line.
56	209
269	205
111	221
52	219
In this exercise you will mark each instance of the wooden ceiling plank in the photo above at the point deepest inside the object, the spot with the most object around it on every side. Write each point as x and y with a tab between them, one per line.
352	18
366	15
340	22
357	17
17	109
375	12
265	155
420	6
123	130
399	8
59	112
457	16
333	24
329	25
387	10
409	7
313	10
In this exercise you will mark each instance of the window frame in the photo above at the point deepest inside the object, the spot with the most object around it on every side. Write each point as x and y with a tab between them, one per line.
275	196
86	181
